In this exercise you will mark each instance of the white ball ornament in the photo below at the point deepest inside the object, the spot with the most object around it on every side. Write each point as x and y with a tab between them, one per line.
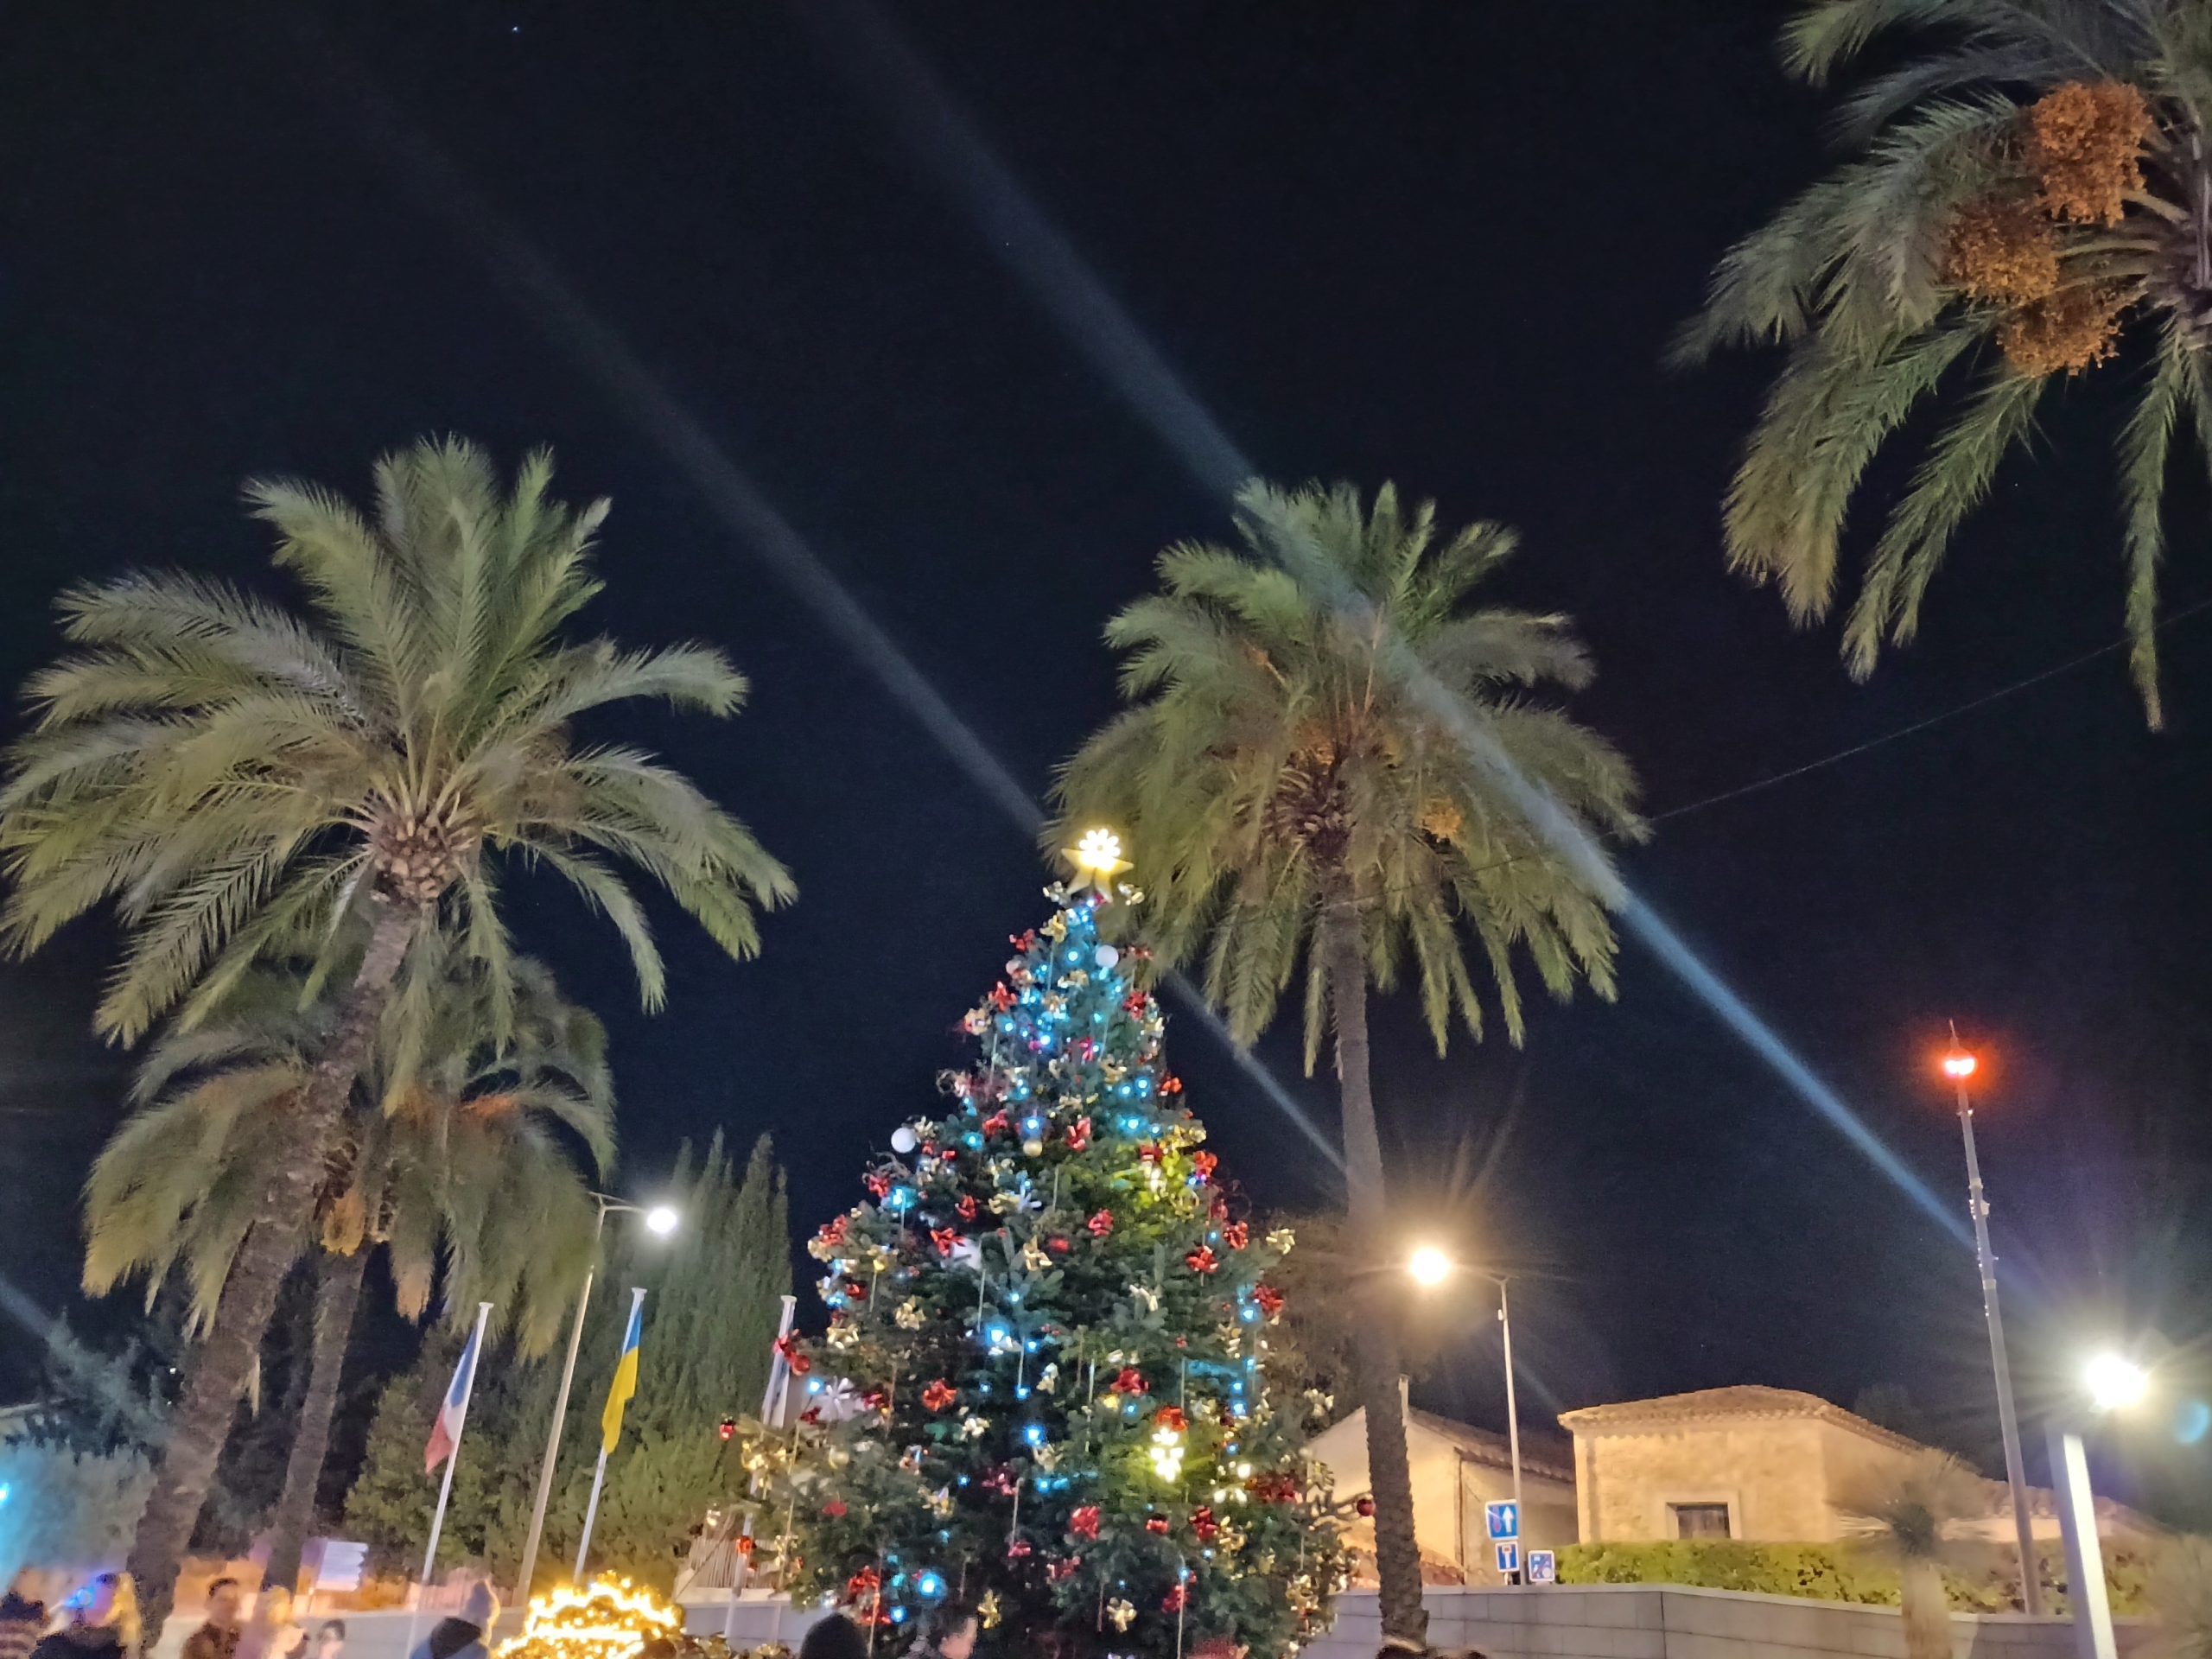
1107	955
904	1139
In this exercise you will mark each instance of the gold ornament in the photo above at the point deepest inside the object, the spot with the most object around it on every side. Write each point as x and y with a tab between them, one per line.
1033	1256
1048	1458
990	1610
1048	1380
1119	1613
1005	1204
973	1427
1231	1538
839	1337
1146	1298
1056	930
909	1316
1055	1005
1281	1241
940	1502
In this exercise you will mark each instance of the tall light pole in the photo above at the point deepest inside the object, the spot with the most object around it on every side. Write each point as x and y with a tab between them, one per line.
1429	1266
661	1220
1958	1065
2113	1383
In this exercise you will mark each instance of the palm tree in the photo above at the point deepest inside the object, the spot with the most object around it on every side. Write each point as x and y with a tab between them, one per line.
2029	185
2181	1600
1907	1515
1296	769
466	1160
233	775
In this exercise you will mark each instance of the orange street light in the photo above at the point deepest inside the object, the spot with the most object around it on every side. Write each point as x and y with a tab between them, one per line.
1959	1065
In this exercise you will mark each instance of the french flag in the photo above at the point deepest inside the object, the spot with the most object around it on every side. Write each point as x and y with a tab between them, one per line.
445	1433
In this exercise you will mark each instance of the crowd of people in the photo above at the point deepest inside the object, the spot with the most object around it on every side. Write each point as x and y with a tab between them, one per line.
41	1618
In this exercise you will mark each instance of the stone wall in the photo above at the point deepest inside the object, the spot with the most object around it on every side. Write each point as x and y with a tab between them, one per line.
1770	1472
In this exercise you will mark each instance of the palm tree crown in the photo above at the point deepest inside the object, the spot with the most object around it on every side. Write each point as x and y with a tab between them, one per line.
457	1152
231	775
2029	186
1276	760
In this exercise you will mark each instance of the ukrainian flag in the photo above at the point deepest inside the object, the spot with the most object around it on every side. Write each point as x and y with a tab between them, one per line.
626	1379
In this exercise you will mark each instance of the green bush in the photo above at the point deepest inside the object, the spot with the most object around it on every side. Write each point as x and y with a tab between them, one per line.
1840	1572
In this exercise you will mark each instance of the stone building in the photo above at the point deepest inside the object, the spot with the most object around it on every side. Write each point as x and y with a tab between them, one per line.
1759	1463
1456	1471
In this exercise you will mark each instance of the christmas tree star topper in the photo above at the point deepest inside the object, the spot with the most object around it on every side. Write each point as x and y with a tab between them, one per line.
1097	859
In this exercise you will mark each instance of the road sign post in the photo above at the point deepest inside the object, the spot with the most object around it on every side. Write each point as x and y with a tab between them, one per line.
1543	1566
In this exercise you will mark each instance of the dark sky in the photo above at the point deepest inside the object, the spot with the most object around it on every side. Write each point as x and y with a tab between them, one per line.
1442	243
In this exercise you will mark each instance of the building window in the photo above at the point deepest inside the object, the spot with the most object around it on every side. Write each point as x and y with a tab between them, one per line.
1700	1520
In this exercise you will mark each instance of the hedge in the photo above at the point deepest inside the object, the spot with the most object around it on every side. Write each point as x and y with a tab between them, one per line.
1987	1582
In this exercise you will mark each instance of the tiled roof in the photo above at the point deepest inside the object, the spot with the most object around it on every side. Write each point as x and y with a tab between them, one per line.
1745	1400
1541	1453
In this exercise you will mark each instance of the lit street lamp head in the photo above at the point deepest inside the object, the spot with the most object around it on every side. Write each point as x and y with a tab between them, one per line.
2115	1382
1429	1266
661	1219
1958	1065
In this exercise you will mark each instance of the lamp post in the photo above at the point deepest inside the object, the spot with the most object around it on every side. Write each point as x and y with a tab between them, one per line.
660	1220
1958	1065
1428	1268
2113	1384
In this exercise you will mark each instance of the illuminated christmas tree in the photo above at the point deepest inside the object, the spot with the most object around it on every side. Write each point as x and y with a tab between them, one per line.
1042	1389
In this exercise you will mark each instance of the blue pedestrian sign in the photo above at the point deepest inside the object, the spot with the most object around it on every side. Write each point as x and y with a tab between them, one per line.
1543	1566
1503	1519
1508	1558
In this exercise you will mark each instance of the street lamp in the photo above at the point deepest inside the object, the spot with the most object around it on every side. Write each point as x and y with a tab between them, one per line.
2110	1382
1959	1065
1429	1266
661	1220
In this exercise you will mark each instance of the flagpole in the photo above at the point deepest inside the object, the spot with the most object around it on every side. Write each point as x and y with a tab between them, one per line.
599	1474
445	1486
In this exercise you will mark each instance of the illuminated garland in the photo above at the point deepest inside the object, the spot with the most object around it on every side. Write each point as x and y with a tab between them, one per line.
608	1618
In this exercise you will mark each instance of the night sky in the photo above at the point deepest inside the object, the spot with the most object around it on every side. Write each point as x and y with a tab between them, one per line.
1440	242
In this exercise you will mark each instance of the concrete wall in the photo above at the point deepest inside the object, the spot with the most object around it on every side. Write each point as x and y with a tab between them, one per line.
1562	1621
1770	1472
1640	1622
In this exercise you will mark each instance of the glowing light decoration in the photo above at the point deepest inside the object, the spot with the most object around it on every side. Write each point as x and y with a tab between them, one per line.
608	1619
1167	1452
1097	859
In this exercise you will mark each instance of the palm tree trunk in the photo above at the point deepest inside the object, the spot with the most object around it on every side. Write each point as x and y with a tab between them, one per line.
1375	1364
337	1294
1927	1611
218	1369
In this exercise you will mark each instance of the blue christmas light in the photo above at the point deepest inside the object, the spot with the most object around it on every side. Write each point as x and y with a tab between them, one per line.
972	1140
928	1586
901	1198
1034	1433
898	1614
